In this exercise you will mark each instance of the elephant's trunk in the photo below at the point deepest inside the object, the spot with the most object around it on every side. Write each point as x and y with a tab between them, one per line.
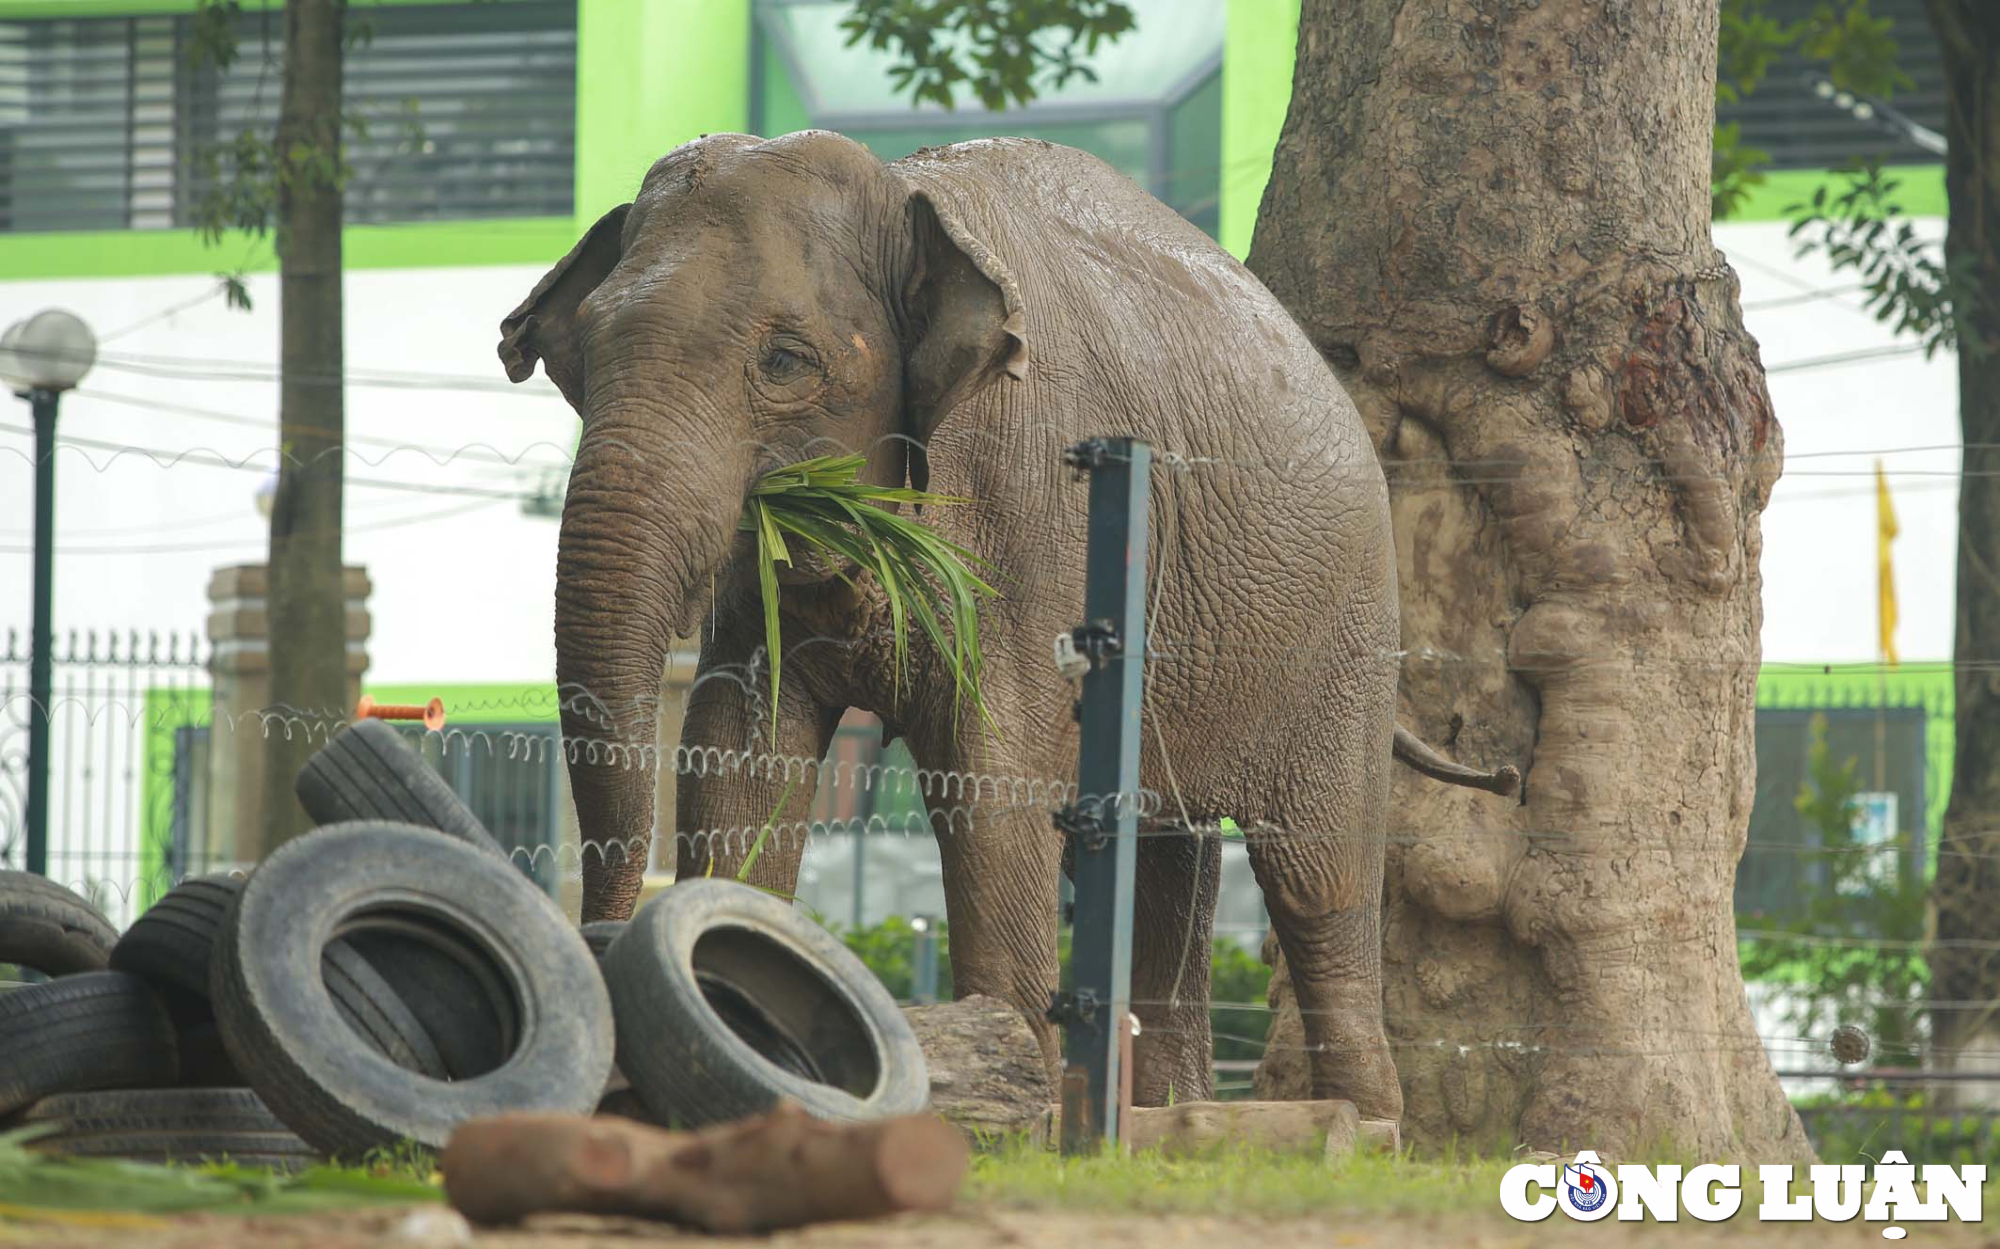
633	546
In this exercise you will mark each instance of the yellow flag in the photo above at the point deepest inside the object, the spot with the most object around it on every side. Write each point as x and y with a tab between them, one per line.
1885	573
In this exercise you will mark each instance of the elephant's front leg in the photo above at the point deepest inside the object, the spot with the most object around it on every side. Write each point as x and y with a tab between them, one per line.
1000	871
736	778
1173	924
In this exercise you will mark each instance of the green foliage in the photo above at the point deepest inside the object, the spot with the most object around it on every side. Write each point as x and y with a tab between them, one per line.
1861	228
235	293
239	179
821	503
1854	48
1861	984
1861	1127
1857	48
1237	975
1003	50
1735	168
890	949
1853	219
37	1182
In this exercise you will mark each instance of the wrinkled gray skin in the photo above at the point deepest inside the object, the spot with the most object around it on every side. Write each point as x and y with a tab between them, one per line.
764	301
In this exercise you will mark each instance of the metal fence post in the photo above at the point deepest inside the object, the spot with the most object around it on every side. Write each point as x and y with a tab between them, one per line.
41	640
924	960
1107	653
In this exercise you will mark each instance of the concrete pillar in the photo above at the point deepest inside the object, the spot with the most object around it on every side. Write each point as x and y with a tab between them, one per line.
240	668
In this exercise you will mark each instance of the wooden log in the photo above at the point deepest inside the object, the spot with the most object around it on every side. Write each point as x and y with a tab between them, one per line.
986	1069
1381	1136
779	1170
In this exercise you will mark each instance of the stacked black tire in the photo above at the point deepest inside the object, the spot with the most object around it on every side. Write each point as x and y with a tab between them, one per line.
391	975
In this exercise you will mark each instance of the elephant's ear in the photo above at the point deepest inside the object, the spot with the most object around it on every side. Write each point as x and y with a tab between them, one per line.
544	326
963	323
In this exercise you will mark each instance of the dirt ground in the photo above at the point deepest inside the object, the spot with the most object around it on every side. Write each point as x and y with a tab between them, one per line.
976	1227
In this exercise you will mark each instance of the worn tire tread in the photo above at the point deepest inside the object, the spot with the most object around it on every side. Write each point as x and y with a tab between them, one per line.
94	1030
366	772
51	928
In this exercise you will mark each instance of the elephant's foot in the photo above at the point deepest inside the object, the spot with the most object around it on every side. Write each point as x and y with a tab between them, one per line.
1351	1062
1172	1059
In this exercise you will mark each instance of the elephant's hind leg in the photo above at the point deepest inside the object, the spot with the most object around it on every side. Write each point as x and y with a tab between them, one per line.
1173	925
1321	872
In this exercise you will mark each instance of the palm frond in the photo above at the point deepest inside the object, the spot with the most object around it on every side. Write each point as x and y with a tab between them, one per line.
822	504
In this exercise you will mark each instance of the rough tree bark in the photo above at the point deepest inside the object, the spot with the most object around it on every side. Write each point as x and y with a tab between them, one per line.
1966	889
1492	216
306	607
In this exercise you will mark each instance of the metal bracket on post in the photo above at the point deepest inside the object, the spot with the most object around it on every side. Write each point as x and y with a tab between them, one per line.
1102	823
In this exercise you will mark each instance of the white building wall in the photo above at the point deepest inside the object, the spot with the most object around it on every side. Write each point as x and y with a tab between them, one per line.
1819	531
462	584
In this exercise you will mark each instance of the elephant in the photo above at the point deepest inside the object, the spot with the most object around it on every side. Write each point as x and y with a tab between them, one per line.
963	315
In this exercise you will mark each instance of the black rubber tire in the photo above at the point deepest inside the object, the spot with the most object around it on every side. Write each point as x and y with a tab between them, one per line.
169	1125
598	934
93	1030
374	1012
368	772
244	1149
50	928
205	1061
708	965
456	995
282	1028
171	947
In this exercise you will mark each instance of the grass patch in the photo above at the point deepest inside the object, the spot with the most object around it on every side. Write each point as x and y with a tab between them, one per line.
36	1185
1233	1181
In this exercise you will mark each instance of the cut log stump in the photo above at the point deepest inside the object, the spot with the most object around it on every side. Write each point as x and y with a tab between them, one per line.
987	1077
779	1170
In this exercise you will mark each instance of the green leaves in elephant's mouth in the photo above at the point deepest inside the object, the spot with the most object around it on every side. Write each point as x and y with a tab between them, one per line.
821	503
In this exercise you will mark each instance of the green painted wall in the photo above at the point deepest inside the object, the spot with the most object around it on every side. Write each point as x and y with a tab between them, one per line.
649	77
1921	191
412	245
1259	45
780	111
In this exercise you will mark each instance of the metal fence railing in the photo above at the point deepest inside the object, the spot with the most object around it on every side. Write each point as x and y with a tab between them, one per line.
118	701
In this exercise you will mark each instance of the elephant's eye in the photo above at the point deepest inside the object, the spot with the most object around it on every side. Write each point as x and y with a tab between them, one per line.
782	365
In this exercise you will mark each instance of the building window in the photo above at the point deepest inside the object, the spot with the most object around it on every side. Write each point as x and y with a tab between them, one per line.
1787	118
1154	113
470	111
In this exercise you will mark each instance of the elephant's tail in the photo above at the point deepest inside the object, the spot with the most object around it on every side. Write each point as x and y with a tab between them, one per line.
1413	751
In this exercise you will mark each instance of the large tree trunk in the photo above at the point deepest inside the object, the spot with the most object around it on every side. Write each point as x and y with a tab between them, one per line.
1967	886
307	610
1493	219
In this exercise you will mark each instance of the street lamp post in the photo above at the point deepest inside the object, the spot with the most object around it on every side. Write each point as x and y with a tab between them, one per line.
40	358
